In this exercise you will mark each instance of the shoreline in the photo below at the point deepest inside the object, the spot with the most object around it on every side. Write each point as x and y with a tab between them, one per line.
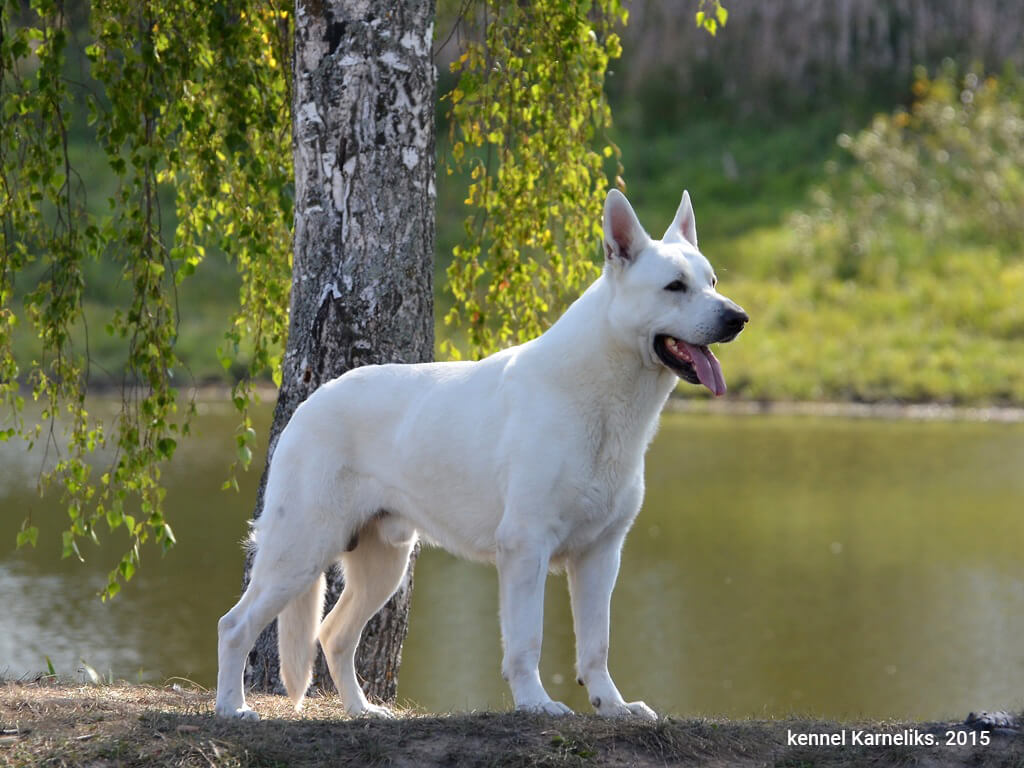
883	411
266	393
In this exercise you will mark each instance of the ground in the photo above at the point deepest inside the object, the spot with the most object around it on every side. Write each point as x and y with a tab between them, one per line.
50	723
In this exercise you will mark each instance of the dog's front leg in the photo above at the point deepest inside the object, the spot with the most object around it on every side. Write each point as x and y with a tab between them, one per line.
522	570
592	575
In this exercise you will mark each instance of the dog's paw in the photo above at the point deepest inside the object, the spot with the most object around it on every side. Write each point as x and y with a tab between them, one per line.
372	710
548	707
242	713
625	709
639	709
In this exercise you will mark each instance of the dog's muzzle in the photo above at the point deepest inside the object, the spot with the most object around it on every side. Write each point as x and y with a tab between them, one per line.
696	363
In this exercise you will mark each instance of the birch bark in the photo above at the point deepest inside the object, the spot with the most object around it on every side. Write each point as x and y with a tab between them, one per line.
363	143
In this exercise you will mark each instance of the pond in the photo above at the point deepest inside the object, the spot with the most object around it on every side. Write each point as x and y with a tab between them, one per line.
781	565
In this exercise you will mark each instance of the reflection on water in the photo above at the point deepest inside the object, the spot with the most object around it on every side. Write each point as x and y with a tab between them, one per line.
780	565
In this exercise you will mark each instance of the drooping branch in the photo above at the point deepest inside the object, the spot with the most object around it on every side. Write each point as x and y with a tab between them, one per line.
209	118
529	121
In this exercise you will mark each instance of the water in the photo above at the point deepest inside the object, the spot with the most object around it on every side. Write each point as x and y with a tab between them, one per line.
781	565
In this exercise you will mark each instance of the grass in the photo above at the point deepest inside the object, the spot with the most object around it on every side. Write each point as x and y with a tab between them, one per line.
51	723
743	174
913	342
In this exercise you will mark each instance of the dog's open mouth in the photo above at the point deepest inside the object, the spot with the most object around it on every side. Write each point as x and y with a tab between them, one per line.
695	363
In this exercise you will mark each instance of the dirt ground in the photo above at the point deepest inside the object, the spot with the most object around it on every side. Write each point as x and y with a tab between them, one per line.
49	723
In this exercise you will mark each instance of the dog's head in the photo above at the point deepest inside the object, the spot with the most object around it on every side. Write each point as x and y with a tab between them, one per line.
664	296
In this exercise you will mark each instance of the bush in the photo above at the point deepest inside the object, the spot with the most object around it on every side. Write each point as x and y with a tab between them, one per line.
927	181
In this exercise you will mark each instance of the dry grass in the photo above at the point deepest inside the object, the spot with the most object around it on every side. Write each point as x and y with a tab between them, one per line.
48	723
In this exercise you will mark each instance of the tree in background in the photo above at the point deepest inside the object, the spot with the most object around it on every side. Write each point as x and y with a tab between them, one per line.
362	269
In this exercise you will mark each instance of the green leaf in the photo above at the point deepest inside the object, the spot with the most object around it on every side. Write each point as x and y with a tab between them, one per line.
168	536
127	567
28	535
70	546
166	446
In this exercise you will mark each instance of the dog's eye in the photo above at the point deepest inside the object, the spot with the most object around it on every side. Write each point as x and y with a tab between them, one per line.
676	285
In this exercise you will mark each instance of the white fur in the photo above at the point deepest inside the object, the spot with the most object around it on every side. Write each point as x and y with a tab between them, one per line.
531	459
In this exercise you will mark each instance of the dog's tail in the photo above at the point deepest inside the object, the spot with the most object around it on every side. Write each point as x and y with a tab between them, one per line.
297	628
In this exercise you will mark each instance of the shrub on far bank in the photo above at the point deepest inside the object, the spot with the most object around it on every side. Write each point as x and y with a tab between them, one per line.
945	175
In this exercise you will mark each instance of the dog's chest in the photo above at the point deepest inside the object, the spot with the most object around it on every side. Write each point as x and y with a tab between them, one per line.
605	483
597	502
618	431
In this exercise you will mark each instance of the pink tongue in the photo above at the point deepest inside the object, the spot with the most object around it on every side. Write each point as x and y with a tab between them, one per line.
708	369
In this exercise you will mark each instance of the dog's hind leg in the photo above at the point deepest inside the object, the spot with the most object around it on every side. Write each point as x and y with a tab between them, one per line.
278	576
373	571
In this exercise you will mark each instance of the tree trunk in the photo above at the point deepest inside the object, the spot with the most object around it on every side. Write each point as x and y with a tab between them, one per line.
363	141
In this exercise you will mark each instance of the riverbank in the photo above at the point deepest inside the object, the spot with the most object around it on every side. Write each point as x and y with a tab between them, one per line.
887	411
217	398
214	395
50	723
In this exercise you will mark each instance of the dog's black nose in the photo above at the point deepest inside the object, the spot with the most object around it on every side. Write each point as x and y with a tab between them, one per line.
735	319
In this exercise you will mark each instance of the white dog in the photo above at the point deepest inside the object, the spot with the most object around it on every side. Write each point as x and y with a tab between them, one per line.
531	459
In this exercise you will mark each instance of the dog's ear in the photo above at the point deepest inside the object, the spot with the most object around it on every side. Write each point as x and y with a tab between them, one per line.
683	226
624	238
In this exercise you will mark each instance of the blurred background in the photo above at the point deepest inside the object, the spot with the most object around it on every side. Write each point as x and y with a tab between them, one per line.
857	172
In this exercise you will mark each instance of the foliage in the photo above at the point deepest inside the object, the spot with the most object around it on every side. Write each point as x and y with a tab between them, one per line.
209	118
711	15
948	170
525	115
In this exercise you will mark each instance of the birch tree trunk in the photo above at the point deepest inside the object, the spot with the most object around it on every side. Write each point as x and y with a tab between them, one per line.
363	112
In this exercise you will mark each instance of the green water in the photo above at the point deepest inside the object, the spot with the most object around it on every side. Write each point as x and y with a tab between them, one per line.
780	565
